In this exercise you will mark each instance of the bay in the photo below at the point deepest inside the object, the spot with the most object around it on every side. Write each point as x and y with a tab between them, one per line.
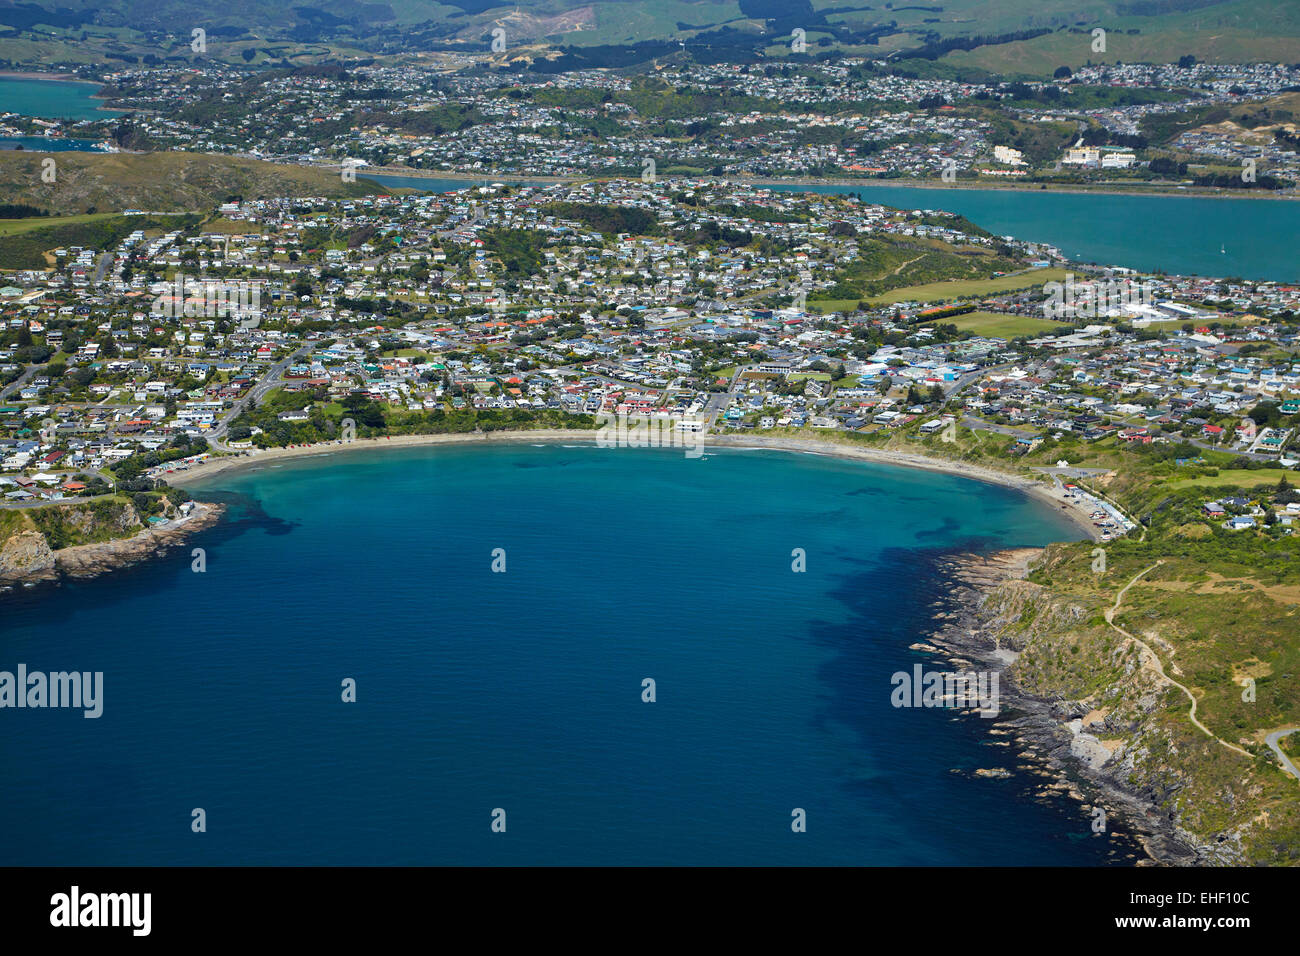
52	99
522	690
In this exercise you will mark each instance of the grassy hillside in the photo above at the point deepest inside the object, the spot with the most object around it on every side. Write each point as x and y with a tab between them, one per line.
1227	31
17	227
30	248
157	182
607	32
920	267
964	289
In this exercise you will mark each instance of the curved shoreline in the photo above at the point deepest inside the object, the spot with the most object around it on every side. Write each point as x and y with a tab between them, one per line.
206	470
957	633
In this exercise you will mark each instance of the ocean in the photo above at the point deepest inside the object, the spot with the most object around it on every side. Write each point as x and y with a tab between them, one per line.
516	694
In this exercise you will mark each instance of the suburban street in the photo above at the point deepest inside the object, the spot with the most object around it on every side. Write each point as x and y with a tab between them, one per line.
265	384
17	385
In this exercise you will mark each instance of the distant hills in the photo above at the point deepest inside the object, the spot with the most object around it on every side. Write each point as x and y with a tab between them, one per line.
1008	36
157	182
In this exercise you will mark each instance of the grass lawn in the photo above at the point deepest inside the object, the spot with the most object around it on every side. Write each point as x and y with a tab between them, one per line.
966	288
14	227
1001	325
1235	477
833	305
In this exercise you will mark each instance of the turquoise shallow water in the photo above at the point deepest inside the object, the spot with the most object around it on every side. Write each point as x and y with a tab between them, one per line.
522	690
1187	235
52	99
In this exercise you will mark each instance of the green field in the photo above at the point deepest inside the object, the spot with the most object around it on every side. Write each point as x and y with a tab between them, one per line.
14	227
967	288
1002	326
29	243
833	305
1232	478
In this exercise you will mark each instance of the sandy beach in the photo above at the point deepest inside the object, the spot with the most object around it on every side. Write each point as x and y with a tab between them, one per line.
196	476
52	77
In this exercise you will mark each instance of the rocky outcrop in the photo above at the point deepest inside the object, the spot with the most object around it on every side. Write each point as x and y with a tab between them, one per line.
27	556
86	520
995	617
1115	737
88	560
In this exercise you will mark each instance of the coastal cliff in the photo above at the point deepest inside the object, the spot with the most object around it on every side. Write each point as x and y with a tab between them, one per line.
25	554
1083	703
84	539
997	618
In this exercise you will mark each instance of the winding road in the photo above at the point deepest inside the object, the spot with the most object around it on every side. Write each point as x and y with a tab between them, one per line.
1272	741
18	384
1152	662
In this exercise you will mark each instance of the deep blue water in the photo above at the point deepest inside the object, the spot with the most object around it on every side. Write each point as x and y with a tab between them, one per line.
522	690
1184	235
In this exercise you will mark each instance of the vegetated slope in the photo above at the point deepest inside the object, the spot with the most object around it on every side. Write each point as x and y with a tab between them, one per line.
27	249
1218	610
885	263
29	538
1029	36
157	182
1209	633
1147	31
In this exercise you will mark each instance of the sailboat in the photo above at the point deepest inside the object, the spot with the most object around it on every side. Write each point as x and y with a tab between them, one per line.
1222	250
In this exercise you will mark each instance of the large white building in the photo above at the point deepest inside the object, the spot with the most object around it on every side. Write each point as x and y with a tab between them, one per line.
1005	154
1082	156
